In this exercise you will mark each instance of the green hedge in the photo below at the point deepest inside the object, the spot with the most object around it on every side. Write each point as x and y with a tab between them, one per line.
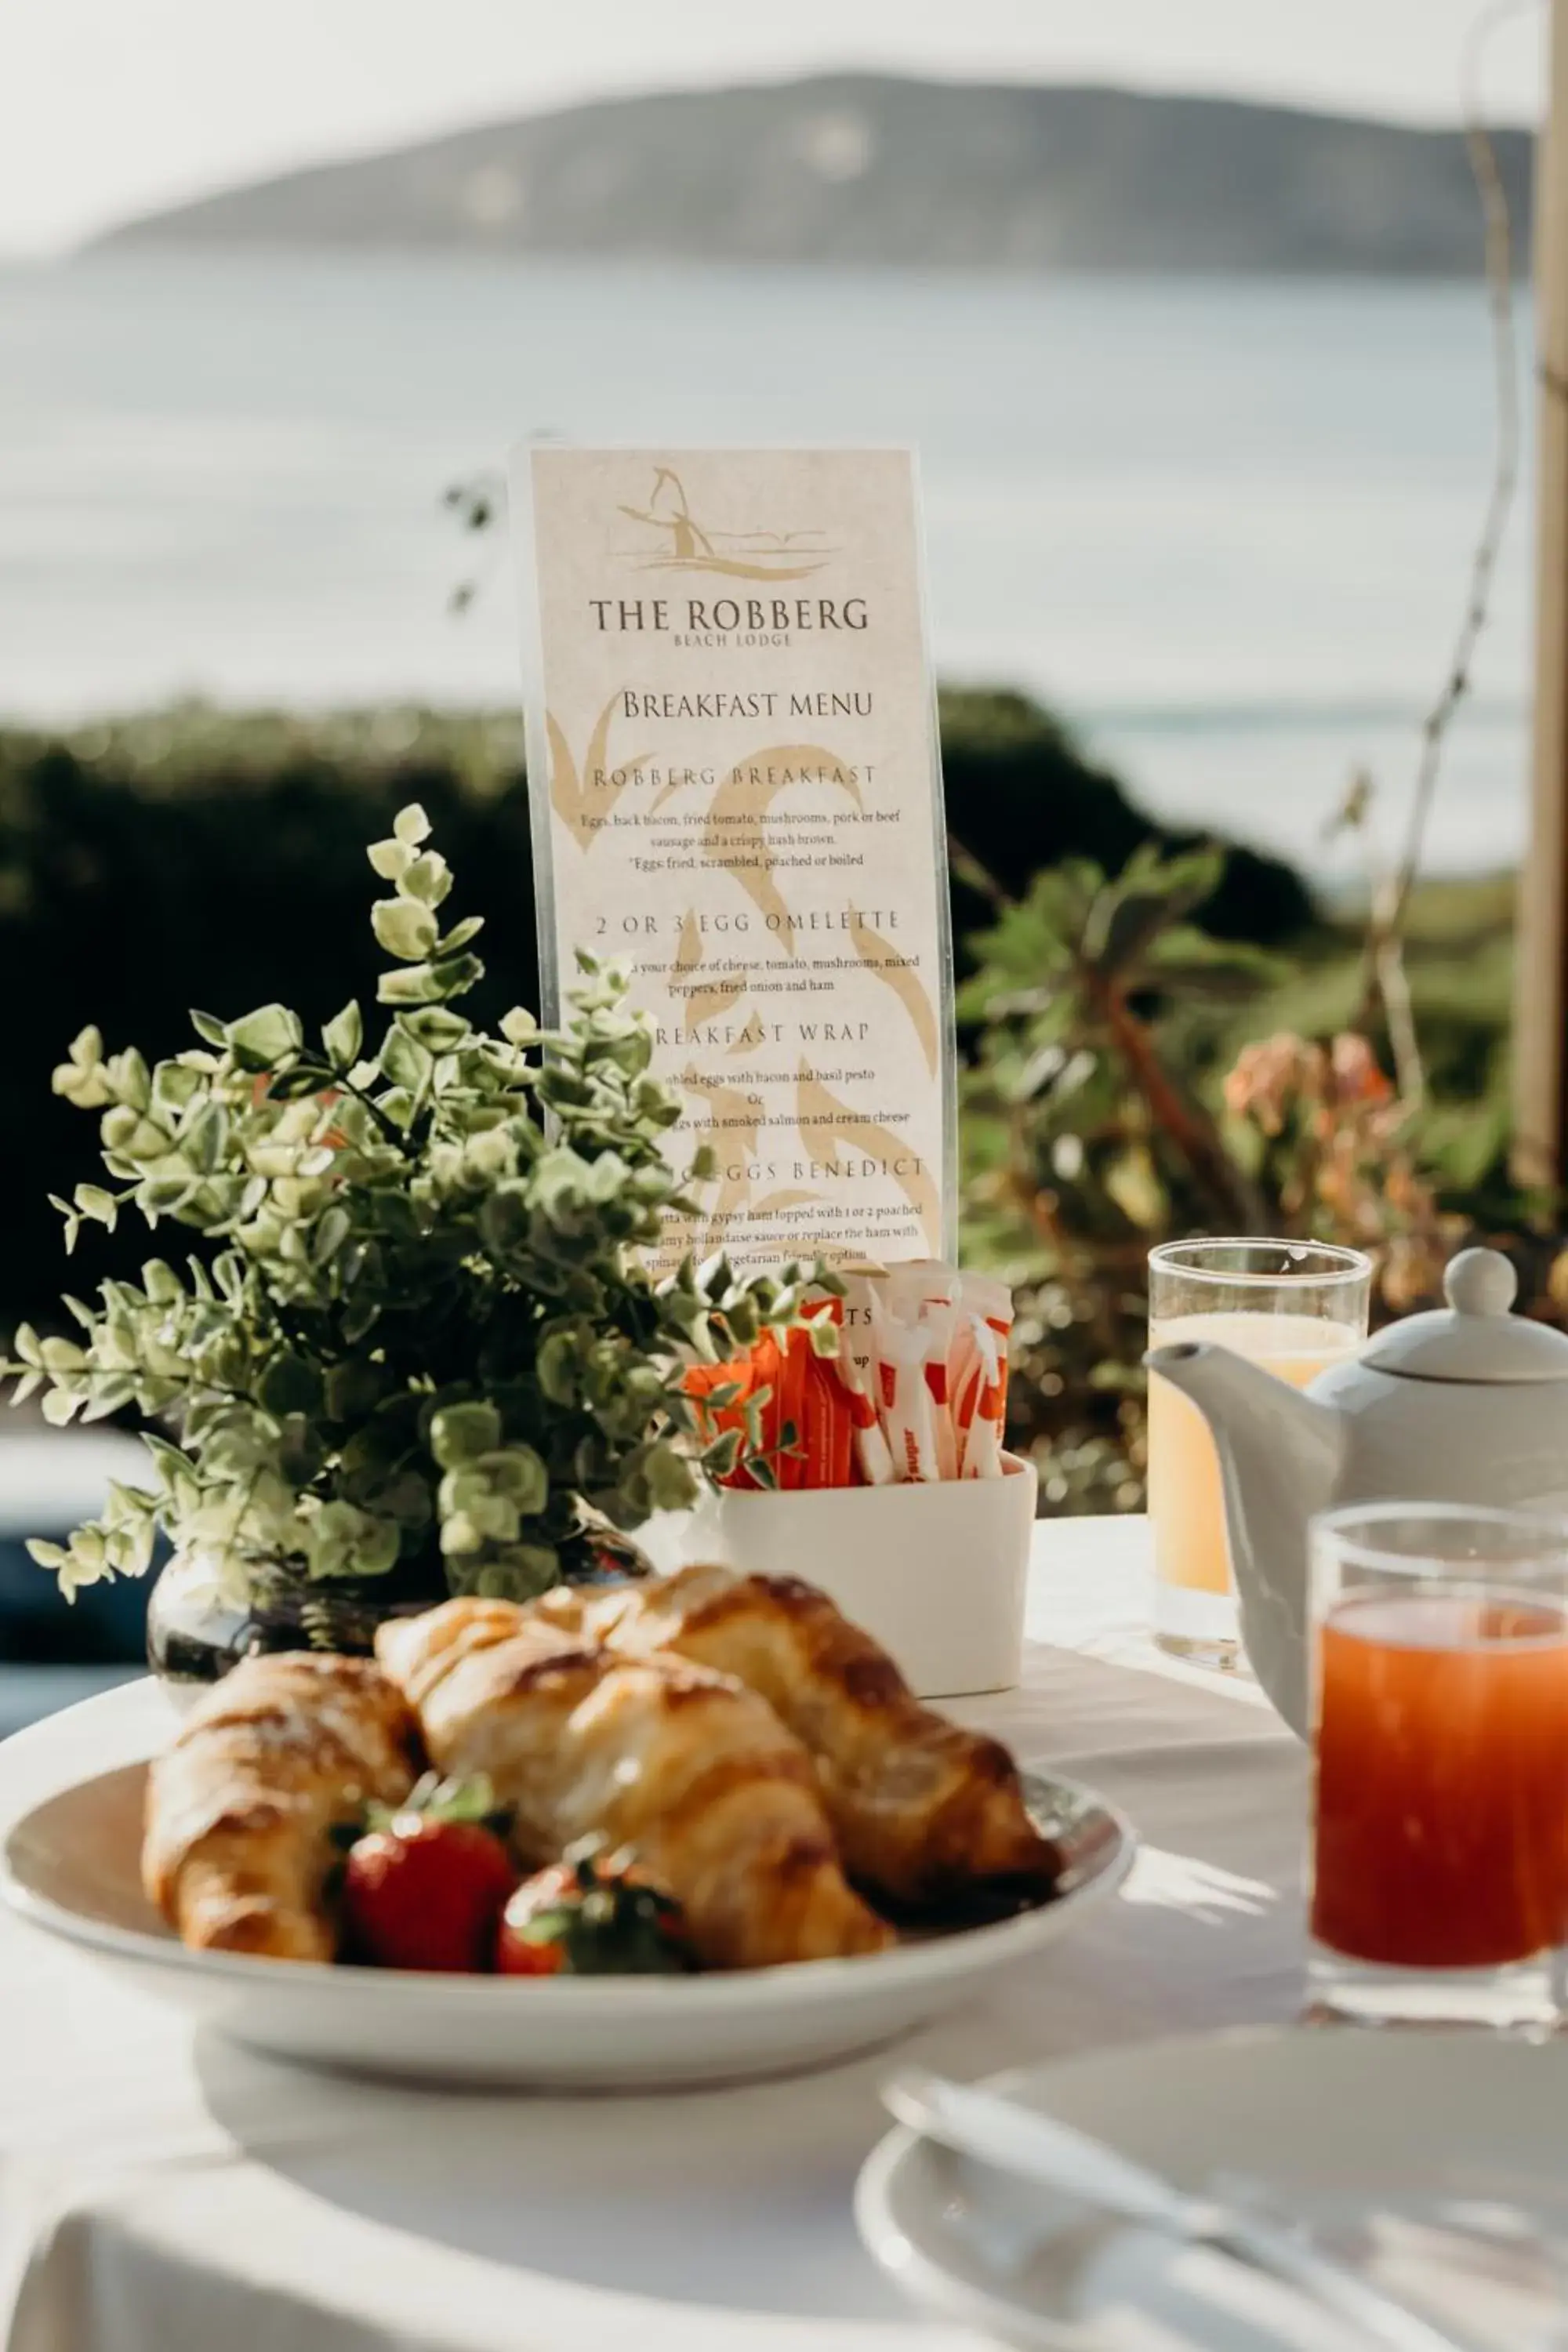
192	856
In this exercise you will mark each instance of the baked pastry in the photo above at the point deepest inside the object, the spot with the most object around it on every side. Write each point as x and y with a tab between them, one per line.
925	1812
236	1849
694	1771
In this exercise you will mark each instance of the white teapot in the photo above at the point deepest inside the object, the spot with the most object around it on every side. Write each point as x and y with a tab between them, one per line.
1465	1404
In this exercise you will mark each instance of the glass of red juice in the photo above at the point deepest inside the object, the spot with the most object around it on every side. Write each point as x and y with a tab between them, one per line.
1439	1863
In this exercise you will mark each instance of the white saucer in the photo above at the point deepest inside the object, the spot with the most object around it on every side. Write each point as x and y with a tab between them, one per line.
70	1867
1409	2151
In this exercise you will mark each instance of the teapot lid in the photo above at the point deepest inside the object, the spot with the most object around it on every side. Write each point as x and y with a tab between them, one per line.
1474	1338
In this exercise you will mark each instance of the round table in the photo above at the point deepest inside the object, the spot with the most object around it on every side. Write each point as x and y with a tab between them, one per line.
162	2190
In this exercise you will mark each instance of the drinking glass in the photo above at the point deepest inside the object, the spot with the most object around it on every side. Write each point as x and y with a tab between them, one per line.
1439	1868
1293	1307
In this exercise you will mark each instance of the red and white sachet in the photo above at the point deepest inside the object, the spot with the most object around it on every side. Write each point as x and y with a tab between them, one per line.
977	1370
915	1393
856	1365
908	1419
923	1292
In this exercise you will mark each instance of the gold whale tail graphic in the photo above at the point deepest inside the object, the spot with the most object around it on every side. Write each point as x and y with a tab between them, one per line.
827	1124
736	832
882	958
580	803
774	1204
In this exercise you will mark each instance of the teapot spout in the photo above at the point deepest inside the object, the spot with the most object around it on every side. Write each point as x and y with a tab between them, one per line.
1280	1454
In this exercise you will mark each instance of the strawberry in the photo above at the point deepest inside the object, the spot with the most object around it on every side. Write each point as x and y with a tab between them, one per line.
425	1890
592	1914
530	1942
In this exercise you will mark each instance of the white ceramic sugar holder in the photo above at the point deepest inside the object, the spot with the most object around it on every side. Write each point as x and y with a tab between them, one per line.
935	1573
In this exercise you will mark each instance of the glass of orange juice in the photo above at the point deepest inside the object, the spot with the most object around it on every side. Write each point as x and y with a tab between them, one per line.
1439	1881
1293	1307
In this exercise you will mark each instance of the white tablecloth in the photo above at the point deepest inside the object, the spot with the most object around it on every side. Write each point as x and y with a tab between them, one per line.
164	2191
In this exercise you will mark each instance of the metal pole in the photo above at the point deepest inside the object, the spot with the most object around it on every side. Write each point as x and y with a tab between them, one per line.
1540	980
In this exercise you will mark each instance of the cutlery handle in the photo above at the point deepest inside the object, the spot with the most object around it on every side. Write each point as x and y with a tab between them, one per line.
1391	2326
983	2125
1040	2148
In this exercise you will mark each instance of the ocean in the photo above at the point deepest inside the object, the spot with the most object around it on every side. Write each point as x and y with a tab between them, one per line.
1223	525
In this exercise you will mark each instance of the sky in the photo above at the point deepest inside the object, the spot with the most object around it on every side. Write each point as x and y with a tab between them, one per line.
113	107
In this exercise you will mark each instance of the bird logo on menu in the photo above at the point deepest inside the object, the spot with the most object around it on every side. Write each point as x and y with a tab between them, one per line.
673	540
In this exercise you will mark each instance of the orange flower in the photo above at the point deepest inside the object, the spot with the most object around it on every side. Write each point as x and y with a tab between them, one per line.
1356	1075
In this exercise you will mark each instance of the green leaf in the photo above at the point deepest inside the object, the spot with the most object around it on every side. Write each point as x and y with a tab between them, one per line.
461	1535
208	1027
519	1027
81	1079
162	1284
1131	927
521	1573
397	1105
204	1139
85	1087
352	1388
404	1060
415	985
455	975
555	1367
390	858
460	1433
262	1039
175	1086
429	878
410	826
292	1384
405	928
332	1231
343	1037
345	1541
434	1028
461	933
128	1078
102	1207
518	1473
126	1132
107	1397
671	1481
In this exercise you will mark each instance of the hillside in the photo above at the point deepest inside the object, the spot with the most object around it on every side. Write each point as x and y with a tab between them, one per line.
866	170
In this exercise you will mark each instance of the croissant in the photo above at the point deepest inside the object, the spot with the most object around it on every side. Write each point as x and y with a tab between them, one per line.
925	1812
698	1773
237	1852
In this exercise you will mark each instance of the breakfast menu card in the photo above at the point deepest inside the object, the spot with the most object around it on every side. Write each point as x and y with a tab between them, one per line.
732	754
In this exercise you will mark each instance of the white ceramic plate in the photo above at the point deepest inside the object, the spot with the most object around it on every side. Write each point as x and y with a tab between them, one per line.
1417	2156
70	1867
